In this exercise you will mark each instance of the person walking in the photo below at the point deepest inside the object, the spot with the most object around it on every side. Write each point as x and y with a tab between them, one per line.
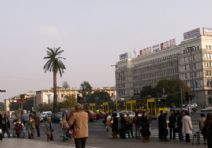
172	125
31	127
48	130
187	126
207	129
201	125
79	120
114	126
6	125
37	124
65	128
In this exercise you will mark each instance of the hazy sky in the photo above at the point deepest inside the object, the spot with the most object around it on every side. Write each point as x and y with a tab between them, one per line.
92	34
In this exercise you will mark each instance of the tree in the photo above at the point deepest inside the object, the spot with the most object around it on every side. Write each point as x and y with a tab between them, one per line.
99	97
172	90
70	102
85	89
147	91
54	64
65	84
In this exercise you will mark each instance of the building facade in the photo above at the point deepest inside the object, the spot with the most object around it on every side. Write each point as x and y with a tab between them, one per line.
190	61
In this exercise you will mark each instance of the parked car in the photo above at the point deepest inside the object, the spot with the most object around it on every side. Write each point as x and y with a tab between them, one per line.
91	115
44	115
131	113
56	117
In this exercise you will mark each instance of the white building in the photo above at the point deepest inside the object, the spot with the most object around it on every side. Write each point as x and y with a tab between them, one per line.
190	61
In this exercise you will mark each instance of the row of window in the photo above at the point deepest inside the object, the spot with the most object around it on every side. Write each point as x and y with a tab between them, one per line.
208	46
192	75
208	56
207	64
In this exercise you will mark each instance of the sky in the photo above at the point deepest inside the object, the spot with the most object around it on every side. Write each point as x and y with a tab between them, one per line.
92	33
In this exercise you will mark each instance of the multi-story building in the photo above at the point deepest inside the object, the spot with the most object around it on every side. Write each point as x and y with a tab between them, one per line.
190	61
46	96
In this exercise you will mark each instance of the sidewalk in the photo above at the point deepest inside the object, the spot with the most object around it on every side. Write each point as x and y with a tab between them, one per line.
26	143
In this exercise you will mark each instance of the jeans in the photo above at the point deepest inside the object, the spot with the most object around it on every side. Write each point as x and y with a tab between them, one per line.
80	142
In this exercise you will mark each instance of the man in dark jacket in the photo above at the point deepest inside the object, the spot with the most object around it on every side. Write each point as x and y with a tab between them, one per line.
162	126
172	125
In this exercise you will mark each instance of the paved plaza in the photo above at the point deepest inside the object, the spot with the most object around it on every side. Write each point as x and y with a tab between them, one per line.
94	143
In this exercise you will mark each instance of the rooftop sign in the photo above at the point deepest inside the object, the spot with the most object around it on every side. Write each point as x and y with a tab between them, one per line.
192	34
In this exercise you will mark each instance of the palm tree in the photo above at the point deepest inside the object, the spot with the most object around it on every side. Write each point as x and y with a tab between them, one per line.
54	64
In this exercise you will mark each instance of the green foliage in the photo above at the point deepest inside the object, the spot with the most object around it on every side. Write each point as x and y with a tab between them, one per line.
54	61
85	90
171	89
45	107
99	97
70	102
147	91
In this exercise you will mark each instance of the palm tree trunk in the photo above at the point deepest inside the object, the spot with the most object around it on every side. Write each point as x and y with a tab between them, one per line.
55	91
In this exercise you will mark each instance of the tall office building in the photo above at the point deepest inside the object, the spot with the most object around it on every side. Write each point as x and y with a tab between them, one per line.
190	61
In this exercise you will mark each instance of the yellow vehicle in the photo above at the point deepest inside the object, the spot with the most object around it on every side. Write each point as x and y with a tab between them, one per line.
130	105
151	105
155	105
105	107
92	106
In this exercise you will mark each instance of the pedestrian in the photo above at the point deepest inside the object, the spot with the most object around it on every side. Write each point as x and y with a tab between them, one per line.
129	126
123	127
19	128
48	130
145	127
31	127
172	125
162	126
108	122
65	128
37	124
6	125
207	129
114	126
79	121
201	125
137	122
187	126
179	125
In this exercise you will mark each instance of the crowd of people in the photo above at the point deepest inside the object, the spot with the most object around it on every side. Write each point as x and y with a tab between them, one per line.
178	122
74	124
119	125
